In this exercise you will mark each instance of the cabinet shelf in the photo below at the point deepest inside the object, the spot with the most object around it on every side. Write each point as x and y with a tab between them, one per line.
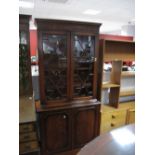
118	49
106	85
128	73
129	92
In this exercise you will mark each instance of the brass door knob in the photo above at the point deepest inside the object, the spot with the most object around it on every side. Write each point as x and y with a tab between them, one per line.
113	116
112	124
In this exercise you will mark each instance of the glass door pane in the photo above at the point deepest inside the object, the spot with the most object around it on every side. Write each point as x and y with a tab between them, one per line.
55	66
83	53
24	65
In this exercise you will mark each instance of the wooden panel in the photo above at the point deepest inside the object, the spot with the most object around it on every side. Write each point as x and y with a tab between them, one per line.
114	83
111	56
26	109
55	131
65	25
122	106
27	136
84	125
129	92
116	37
106	85
120	50
116	71
26	127
112	120
131	116
28	146
114	97
121	116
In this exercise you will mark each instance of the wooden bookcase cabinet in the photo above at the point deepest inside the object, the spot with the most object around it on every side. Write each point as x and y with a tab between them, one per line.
25	80
68	113
116	51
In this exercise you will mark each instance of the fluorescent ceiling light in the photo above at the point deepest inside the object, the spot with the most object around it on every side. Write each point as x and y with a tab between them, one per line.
24	4
91	12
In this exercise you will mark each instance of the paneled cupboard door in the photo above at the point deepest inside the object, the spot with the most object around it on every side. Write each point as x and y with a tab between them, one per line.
85	122
55	66
55	131
83	62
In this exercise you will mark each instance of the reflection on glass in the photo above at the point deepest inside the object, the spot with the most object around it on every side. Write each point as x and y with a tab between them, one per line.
84	47
24	79
55	66
23	39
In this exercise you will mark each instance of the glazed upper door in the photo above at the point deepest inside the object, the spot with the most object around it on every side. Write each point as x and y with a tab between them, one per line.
84	64
25	83
54	66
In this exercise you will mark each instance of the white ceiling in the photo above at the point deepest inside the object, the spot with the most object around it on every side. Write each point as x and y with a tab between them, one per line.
113	13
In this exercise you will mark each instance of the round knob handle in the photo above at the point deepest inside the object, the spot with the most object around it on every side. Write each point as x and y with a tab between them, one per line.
30	98
112	124
113	116
64	116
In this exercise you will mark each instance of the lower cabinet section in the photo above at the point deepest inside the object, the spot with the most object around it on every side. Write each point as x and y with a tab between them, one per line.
28	140
32	145
67	129
112	118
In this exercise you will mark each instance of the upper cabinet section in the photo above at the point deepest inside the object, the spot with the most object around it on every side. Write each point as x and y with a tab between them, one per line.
68	54
118	50
25	81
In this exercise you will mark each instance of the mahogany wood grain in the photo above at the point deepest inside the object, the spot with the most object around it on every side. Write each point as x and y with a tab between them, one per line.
69	29
69	122
84	125
65	129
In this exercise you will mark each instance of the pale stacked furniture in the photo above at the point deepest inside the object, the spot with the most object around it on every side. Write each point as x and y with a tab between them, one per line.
114	111
28	139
